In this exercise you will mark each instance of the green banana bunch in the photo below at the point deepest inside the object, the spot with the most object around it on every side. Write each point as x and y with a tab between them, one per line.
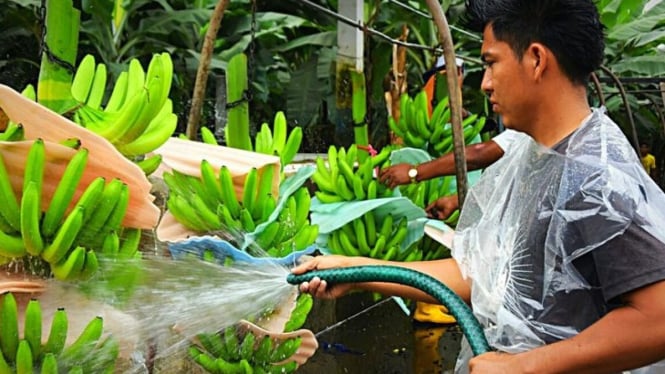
138	117
291	231
340	180
231	351
276	142
366	236
27	353
433	133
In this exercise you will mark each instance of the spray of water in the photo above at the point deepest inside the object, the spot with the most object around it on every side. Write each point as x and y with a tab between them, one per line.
173	300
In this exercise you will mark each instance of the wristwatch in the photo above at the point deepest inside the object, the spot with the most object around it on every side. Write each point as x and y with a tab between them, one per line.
413	173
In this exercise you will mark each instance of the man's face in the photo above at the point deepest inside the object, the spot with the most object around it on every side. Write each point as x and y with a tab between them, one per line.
644	150
506	83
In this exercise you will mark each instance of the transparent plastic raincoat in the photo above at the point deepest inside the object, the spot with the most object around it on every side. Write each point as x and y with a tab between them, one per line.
531	219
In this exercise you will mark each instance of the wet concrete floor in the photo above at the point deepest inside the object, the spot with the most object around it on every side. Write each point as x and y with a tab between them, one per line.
358	335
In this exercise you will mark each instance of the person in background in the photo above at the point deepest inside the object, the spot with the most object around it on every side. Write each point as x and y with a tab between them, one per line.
648	160
478	156
560	249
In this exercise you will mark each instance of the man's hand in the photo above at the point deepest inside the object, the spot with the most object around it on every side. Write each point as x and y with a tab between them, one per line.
443	207
495	363
395	175
319	288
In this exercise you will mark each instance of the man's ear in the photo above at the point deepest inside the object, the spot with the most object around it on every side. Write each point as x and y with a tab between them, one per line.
538	60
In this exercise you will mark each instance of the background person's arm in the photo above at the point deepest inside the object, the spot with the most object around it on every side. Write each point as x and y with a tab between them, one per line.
478	156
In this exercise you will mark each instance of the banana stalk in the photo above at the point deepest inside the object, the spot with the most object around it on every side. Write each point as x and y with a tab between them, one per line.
358	112
61	40
237	129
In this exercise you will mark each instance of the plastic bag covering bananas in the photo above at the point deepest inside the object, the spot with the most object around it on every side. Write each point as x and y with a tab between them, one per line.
65	230
339	179
23	353
138	116
433	134
209	203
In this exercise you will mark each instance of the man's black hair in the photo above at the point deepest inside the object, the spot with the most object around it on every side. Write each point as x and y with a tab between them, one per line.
570	28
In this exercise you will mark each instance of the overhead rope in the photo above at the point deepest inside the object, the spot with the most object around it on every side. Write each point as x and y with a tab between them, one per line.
368	30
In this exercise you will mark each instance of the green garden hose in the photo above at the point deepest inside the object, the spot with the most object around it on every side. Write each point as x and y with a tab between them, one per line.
470	326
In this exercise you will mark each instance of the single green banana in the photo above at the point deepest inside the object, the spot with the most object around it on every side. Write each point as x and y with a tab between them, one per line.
13	133
90	197
207	215
292	146
304	305
104	357
49	364
265	238
32	327
370	226
11	246
111	244
97	88
328	198
264	142
285	349
247	346
85	344
150	164
57	334
228	191
279	133
117	97
246	220
69	268
30	217
387	225
118	125
232	343
379	246
207	136
262	353
324	183
130	244
135	80
64	192
83	78
347	246
249	189
228	221
264	191
90	266
303	202
399	235
108	200
422	125
210	181
358	189
269	206
332	163
158	132
345	168
24	358
395	127
343	189
372	189
361	236
9	339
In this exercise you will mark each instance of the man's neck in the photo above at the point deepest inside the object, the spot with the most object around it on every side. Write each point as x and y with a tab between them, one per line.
560	115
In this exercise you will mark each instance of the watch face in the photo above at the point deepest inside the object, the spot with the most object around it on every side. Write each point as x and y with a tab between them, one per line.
413	173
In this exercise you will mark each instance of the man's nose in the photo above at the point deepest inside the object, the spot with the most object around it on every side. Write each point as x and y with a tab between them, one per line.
486	83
